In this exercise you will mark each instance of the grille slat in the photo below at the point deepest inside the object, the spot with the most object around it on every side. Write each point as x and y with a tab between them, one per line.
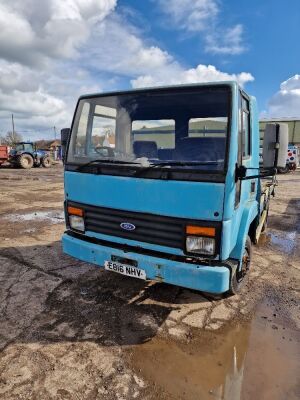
94	211
114	220
138	231
150	228
138	237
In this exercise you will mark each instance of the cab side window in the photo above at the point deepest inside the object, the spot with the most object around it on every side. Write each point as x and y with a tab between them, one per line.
244	140
245	125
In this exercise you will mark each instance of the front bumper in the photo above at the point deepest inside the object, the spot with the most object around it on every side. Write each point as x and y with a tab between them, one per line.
212	279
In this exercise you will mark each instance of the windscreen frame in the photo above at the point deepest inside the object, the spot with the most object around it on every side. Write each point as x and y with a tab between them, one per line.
203	175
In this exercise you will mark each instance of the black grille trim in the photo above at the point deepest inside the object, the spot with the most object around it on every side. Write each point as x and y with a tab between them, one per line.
150	228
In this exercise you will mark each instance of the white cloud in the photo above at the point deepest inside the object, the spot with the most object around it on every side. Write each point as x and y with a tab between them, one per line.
190	15
203	16
117	47
21	93
52	51
32	32
121	50
286	102
36	84
202	73
228	41
41	99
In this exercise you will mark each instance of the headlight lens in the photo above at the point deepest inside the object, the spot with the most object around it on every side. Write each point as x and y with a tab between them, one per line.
76	222
201	245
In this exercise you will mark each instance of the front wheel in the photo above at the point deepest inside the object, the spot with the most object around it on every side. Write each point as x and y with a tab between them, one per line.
25	161
46	162
240	275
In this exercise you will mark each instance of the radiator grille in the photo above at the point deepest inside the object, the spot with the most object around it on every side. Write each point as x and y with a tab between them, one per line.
149	228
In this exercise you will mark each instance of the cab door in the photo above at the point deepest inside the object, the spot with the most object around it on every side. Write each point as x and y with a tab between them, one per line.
245	190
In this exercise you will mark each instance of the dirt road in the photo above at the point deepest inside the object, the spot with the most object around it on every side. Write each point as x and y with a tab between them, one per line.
69	330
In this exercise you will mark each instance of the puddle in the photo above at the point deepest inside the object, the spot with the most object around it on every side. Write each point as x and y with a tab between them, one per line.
54	217
286	243
255	360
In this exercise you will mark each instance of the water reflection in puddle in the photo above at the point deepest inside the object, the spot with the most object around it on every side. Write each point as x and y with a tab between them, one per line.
255	360
286	242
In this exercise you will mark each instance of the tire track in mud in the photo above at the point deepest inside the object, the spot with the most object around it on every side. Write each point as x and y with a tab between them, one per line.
14	254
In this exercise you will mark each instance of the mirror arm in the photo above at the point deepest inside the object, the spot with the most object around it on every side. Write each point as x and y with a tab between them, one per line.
240	173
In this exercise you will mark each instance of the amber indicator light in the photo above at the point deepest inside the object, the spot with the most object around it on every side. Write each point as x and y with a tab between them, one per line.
201	230
75	211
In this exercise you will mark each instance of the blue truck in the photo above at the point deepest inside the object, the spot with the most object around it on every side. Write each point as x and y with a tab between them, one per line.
164	183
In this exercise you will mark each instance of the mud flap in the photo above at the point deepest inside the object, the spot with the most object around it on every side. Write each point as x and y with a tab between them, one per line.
232	265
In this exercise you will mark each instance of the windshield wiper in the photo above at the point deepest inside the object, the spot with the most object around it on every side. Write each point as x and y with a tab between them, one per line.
104	161
174	163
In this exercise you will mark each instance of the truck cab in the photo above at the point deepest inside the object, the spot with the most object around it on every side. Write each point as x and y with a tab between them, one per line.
163	184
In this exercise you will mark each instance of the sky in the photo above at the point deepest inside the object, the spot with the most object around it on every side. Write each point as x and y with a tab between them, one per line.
53	51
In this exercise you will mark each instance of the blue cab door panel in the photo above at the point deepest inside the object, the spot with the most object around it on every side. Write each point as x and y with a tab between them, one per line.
238	215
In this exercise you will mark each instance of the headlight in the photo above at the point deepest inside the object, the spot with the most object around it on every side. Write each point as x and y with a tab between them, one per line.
76	223
201	245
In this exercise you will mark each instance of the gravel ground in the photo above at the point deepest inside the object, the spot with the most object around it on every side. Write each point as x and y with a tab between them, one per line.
69	330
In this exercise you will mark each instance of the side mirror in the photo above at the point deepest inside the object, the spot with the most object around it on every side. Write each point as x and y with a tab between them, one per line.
64	134
276	139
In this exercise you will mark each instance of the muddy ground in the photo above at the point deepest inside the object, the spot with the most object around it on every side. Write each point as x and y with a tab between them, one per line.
69	330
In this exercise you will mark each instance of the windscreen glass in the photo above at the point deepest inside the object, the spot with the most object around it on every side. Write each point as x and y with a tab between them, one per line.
182	128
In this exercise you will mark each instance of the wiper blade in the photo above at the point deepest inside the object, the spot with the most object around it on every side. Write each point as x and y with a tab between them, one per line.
104	161
174	163
162	163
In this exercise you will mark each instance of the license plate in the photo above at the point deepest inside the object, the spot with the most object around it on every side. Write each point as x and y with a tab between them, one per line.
125	269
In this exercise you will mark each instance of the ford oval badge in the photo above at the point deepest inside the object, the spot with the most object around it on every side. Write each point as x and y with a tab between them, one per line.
127	226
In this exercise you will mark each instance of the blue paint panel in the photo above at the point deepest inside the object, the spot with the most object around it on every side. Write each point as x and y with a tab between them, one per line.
195	200
198	277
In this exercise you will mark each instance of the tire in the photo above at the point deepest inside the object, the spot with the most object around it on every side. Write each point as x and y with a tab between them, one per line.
25	161
46	162
240	275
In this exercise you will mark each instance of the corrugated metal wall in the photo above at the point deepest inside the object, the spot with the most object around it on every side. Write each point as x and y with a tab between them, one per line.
294	129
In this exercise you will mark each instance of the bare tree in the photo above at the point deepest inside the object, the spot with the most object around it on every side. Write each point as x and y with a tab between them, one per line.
11	138
2	139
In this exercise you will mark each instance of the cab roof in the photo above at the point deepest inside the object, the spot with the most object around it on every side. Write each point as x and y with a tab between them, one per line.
232	84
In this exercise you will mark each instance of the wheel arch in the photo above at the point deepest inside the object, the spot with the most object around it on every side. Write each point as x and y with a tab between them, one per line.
247	228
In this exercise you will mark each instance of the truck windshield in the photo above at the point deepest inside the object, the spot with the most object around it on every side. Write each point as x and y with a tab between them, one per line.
176	128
